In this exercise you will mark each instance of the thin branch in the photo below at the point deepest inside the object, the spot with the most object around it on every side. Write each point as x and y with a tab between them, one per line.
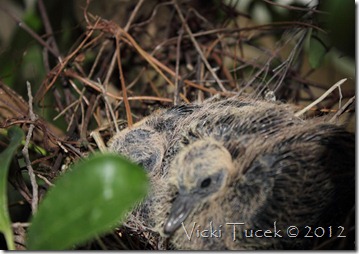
97	59
198	48
178	56
25	152
157	65
45	180
27	29
109	107
336	85
48	27
133	15
342	110
61	66
118	48
122	79
99	141
127	27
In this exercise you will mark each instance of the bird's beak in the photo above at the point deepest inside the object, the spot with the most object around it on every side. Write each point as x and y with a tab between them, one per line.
181	208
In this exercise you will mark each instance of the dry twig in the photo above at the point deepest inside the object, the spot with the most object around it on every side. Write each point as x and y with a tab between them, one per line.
336	85
25	152
198	48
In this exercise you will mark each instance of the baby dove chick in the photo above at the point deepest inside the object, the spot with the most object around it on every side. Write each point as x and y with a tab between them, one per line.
226	171
252	169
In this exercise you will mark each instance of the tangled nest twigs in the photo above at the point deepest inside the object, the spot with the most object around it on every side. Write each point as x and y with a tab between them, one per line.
175	52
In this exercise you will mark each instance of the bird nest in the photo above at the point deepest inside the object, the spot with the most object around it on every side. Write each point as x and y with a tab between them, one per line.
158	54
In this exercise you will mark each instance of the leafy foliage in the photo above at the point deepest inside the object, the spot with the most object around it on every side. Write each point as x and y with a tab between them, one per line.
16	135
88	200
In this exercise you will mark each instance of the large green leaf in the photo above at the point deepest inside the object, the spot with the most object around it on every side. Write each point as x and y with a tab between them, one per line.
16	135
90	199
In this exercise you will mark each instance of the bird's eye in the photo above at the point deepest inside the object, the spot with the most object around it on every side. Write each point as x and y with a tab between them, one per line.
185	141
206	182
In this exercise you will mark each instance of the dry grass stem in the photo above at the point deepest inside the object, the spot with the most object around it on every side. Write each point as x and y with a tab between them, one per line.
25	152
336	85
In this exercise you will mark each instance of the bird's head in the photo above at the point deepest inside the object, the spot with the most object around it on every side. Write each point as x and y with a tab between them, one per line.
201	170
142	145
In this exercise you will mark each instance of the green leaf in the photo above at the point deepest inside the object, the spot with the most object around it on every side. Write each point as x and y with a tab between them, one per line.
32	19
317	51
89	200
340	22
16	135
